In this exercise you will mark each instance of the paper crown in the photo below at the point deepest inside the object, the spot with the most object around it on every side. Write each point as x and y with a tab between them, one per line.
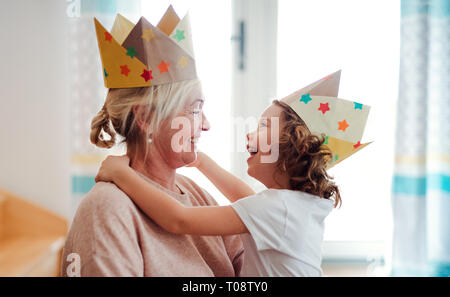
341	121
142	55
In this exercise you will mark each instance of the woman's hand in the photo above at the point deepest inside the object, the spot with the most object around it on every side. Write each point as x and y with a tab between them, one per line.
111	167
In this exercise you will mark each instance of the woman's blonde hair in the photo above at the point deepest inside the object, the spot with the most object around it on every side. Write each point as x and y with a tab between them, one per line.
304	157
155	104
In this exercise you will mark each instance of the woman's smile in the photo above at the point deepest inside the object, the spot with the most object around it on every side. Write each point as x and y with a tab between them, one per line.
252	151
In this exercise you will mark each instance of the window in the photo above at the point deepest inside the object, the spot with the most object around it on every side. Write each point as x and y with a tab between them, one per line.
316	38
211	27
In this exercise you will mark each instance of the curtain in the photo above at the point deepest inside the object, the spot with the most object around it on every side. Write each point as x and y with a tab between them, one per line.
421	183
86	87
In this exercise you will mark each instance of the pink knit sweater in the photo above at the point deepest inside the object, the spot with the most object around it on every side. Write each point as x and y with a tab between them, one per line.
113	237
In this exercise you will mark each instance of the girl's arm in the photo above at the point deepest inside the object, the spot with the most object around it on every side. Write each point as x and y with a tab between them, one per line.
173	216
228	184
167	212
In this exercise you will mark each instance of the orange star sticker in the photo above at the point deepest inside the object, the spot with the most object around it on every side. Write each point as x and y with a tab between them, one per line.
163	67
124	70
343	125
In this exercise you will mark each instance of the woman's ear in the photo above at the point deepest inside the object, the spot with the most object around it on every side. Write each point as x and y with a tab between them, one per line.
140	117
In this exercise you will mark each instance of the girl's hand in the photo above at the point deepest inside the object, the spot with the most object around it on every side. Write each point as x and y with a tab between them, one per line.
197	161
111	167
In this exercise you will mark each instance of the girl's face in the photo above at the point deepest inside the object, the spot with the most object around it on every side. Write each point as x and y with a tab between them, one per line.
263	148
178	136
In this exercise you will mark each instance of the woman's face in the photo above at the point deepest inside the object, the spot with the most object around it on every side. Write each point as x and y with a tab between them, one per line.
178	136
263	148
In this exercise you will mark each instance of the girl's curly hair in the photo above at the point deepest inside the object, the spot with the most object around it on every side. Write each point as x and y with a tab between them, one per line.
304	157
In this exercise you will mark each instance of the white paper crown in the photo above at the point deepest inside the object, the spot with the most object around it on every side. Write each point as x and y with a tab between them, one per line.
341	121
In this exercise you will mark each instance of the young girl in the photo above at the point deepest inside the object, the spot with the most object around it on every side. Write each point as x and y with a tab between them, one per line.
282	227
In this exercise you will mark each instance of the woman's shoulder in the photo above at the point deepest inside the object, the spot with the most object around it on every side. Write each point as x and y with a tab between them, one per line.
105	197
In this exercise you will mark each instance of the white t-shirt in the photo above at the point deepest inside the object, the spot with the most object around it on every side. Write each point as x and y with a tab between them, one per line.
286	232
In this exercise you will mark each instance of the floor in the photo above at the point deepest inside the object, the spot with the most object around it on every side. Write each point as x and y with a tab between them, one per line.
353	269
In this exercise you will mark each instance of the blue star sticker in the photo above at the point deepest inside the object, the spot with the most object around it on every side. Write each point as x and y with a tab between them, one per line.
358	105
305	98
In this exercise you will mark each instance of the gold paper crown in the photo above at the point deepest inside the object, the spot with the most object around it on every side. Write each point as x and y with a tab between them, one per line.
342	121
142	55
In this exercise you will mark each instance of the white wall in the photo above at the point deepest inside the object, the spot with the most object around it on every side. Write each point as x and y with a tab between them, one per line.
34	107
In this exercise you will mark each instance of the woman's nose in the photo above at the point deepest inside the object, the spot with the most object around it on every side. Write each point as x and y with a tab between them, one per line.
205	123
250	136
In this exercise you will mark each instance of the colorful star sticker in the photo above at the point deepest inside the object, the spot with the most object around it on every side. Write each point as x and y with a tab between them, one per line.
324	108
163	67
147	75
179	35
326	140
124	70
343	125
105	73
305	98
357	144
358	105
183	61
108	36
147	34
336	157
131	52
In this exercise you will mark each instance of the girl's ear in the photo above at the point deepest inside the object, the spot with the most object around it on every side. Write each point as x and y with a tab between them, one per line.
139	115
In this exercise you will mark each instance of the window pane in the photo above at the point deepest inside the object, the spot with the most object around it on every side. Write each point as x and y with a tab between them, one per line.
316	38
211	31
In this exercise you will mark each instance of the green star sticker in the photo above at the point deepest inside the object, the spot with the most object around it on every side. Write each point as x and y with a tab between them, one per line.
336	158
179	35
131	52
106	74
326	140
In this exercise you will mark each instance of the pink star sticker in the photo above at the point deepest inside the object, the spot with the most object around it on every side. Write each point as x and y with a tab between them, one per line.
147	75
324	107
108	36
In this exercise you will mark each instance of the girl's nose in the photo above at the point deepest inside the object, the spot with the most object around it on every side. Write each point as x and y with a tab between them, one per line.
205	123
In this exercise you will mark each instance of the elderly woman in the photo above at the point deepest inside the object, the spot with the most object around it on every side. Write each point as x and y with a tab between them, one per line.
111	235
154	104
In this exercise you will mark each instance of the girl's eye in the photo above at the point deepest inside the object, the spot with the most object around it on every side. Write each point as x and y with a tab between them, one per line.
196	111
263	124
